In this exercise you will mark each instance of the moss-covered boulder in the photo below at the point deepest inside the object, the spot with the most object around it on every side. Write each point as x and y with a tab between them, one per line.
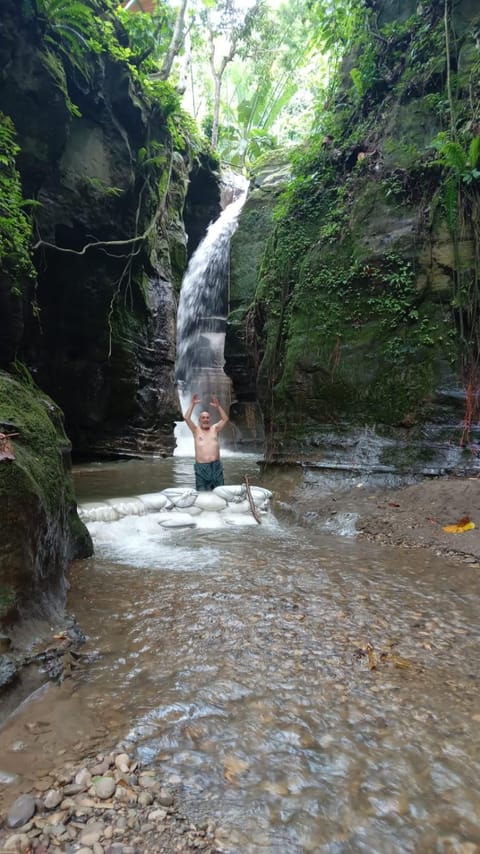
40	531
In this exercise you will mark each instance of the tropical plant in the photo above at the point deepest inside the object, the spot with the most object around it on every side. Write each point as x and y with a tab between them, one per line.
15	227
68	25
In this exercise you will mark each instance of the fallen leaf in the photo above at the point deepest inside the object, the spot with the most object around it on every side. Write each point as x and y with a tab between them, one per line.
463	524
233	767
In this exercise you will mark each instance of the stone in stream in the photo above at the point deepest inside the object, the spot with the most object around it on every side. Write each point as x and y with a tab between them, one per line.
21	811
52	799
83	778
122	762
165	798
105	787
17	842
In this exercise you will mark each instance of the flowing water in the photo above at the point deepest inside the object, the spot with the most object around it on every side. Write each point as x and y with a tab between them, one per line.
238	661
202	315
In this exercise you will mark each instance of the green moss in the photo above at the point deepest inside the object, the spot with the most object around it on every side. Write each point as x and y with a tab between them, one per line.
15	227
38	466
7	600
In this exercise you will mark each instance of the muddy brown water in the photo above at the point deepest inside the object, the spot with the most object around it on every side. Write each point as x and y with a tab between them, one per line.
237	661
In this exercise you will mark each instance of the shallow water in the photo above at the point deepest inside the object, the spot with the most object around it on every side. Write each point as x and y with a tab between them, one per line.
238	660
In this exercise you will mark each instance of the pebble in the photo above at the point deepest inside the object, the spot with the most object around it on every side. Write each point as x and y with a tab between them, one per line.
17	842
105	787
21	811
52	799
83	778
165	798
68	819
122	762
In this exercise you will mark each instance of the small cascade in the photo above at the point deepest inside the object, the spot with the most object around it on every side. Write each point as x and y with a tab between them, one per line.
203	310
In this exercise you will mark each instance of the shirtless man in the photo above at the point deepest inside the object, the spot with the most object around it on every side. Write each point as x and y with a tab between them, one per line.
208	468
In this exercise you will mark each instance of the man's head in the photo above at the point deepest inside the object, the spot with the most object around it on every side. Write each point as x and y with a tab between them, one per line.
204	420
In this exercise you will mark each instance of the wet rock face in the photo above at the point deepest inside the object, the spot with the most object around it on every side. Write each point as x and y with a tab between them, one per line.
243	350
342	318
40	531
202	203
102	343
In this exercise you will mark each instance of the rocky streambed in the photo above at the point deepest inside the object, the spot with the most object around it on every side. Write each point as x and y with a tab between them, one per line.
107	804
232	675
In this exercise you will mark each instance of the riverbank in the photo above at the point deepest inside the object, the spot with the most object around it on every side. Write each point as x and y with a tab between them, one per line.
412	516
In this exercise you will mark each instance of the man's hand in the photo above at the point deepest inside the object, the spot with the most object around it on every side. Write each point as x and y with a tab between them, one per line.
195	399
223	415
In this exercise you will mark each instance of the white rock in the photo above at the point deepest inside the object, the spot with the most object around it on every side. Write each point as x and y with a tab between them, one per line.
83	778
122	762
52	799
157	815
18	842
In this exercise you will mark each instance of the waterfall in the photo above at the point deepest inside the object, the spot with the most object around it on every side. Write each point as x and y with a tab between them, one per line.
202	314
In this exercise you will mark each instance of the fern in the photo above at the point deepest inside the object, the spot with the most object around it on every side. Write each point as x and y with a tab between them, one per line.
474	153
454	157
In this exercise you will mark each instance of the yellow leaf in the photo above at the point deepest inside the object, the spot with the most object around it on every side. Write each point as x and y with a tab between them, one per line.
459	529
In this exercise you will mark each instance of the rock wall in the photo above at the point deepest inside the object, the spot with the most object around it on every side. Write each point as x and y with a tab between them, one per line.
40	530
347	327
110	180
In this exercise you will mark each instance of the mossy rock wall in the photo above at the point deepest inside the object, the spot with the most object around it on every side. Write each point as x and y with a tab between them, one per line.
41	531
348	312
105	167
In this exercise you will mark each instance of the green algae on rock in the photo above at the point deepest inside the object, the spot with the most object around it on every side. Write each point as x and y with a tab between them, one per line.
41	532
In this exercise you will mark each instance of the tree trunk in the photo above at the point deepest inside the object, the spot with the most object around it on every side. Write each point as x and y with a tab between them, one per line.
175	43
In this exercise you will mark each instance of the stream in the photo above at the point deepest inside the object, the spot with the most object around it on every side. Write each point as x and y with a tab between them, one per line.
309	692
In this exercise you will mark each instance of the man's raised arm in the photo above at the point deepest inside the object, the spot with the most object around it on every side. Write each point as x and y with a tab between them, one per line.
224	419
187	416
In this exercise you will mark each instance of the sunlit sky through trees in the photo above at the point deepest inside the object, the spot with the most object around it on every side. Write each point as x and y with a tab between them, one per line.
249	71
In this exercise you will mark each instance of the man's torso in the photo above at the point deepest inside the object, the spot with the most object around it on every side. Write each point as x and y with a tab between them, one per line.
207	447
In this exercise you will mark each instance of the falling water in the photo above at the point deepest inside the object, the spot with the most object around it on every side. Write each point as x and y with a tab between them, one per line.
202	313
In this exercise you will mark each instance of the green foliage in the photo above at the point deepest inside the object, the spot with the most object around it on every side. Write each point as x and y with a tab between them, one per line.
15	227
148	35
68	25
